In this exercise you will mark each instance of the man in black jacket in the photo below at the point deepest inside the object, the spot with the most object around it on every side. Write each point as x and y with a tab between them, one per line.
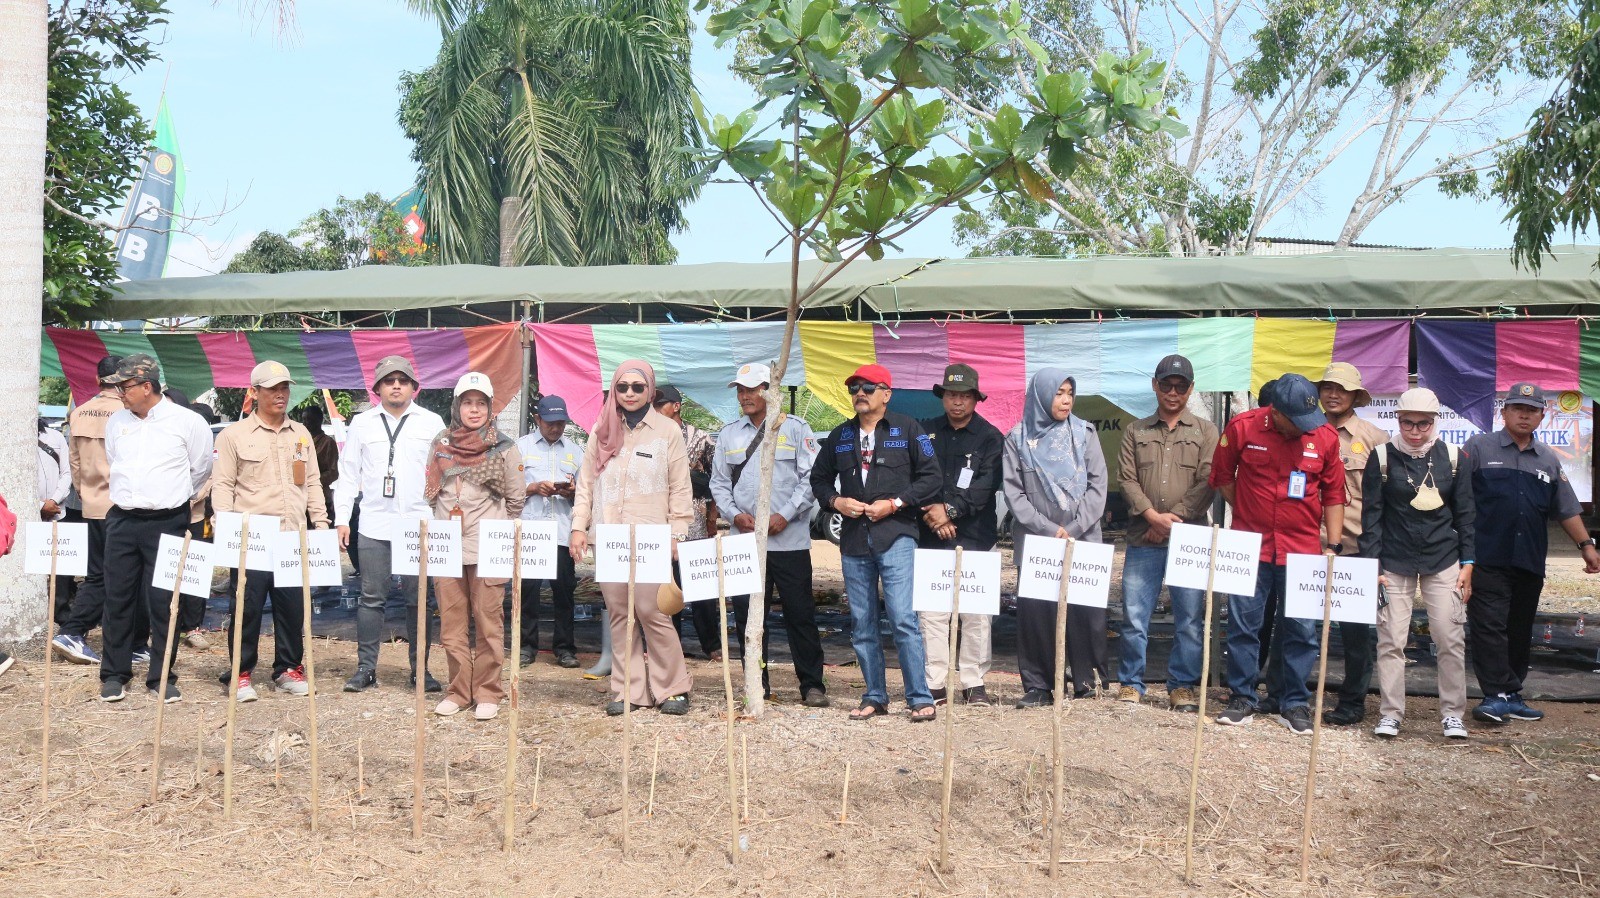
878	470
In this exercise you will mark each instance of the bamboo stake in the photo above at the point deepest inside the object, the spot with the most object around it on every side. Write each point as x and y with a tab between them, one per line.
1200	719
1316	723
538	768
311	677
844	798
514	693
49	637
655	761
627	689
744	762
361	769
237	644
950	718
727	690
1055	719
199	749
420	675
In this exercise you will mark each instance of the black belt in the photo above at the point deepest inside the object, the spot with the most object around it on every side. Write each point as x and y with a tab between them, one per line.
149	512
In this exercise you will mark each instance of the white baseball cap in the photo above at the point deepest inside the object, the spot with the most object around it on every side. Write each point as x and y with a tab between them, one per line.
474	380
752	375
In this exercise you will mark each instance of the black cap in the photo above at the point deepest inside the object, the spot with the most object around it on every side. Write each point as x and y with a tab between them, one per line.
107	366
667	393
1525	394
1175	366
959	379
176	396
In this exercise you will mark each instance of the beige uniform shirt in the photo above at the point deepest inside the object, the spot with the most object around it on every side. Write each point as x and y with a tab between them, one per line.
478	504
1167	469
647	482
91	473
255	472
1357	438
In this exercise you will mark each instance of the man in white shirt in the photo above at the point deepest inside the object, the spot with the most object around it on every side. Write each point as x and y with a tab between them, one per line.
550	465
160	456
385	461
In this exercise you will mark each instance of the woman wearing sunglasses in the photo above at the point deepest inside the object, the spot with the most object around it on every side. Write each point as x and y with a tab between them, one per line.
636	471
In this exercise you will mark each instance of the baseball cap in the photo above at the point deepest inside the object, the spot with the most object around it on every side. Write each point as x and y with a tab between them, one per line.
874	374
107	367
752	375
1525	394
270	374
1174	366
667	393
552	409
474	380
1347	376
394	364
139	366
959	379
1296	398
1421	400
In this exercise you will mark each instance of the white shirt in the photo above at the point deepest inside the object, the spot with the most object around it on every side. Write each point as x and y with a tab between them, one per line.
55	474
159	461
364	463
556	462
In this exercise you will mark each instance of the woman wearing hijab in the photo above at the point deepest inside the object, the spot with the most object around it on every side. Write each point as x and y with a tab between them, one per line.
636	471
1417	521
474	475
1055	482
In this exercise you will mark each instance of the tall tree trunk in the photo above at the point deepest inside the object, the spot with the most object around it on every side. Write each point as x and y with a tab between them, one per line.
24	61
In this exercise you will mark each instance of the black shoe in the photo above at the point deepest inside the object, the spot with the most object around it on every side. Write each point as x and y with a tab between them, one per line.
5	662
1297	719
528	658
1345	715
677	706
363	679
614	708
566	659
112	691
1036	698
1268	706
428	685
815	698
168	695
939	696
977	695
1239	712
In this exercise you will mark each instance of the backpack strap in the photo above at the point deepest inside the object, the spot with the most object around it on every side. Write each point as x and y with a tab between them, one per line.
1382	451
1454	452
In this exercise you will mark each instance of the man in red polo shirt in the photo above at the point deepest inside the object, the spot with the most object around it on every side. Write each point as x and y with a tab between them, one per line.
1279	467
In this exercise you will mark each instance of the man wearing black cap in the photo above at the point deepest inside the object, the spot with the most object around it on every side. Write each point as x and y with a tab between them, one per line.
86	451
1518	485
550	464
969	450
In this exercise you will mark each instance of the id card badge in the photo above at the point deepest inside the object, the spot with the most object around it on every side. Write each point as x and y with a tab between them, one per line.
1297	484
964	479
388	487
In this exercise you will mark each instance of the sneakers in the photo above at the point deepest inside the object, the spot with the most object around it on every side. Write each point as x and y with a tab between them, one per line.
1520	710
1239	712
169	694
1345	715
1130	694
112	691
194	639
1493	709
141	656
1036	698
1389	727
677	705
363	679
566	659
614	707
74	649
1268	706
5	662
977	695
486	711
1297	719
446	708
292	681
1453	728
247	691
1184	699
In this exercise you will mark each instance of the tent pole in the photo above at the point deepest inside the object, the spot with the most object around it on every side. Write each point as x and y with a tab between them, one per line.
527	373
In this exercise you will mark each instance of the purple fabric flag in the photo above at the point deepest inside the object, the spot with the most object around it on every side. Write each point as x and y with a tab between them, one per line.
1456	359
915	352
333	361
441	356
1380	350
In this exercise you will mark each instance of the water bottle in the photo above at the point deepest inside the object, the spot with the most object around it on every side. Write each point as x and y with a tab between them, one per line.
1549	632
1578	630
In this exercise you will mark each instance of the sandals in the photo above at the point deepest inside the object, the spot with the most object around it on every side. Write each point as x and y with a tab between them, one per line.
869	710
924	714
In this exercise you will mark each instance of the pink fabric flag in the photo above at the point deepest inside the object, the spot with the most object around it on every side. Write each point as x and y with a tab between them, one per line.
569	367
999	355
375	345
231	358
80	352
915	352
1537	352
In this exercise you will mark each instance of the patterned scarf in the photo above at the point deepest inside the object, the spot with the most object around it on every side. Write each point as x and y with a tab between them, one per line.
463	451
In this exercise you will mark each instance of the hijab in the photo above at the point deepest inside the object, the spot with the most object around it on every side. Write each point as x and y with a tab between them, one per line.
1056	449
610	430
1399	440
460	450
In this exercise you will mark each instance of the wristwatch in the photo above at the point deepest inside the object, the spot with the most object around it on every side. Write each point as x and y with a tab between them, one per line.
1335	548
898	503
1586	543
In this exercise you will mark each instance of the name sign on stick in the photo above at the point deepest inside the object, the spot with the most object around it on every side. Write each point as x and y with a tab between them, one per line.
322	554
933	570
652	549
1189	559
1354	595
444	548
698	563
496	540
196	565
1040	577
263	534
72	549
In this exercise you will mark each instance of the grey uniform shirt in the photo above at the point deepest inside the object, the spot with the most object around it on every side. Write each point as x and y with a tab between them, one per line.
791	479
556	462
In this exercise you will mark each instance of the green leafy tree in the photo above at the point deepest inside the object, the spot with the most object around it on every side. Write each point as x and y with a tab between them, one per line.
848	150
575	110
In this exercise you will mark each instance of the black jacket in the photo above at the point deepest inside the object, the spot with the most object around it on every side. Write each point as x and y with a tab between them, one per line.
903	467
977	446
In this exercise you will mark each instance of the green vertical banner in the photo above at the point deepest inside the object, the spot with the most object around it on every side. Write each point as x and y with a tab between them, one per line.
146	230
1589	359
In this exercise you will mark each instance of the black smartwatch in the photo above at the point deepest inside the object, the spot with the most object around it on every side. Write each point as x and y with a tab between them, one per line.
1586	543
1333	547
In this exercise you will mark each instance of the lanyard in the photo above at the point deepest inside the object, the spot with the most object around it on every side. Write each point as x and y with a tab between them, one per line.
393	435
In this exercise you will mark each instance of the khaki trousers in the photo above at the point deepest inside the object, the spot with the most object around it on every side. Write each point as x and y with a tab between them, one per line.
667	675
975	647
474	670
1447	618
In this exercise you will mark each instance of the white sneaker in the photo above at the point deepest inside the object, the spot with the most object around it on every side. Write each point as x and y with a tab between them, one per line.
1454	728
1389	727
247	690
446	708
486	711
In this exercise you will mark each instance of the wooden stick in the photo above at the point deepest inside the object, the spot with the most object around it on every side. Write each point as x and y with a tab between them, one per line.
538	768
1316	723
515	691
627	689
361	769
744	762
655	761
420	670
237	646
199	748
950	717
1055	718
311	678
49	637
1200	720
727	690
844	799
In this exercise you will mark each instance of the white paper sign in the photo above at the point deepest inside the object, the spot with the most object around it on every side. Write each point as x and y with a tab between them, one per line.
444	548
1189	559
72	549
1040	576
934	569
496	540
1354	596
653	553
322	556
196	566
263	534
697	561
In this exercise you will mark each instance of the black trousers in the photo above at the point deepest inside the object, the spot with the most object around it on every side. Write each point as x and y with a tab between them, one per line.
1360	650
89	605
131	542
789	574
192	609
1036	645
702	616
288	624
66	585
1500	626
561	590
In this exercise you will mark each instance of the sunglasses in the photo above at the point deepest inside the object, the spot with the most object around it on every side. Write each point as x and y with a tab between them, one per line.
1412	424
631	388
868	389
1166	387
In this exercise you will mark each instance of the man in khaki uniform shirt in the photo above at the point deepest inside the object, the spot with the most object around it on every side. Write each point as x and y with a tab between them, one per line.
267	465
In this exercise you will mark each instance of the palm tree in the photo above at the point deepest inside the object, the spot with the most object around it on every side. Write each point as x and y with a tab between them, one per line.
577	108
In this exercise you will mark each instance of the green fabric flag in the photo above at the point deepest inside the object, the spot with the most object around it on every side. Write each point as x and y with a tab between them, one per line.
1589	360
1220	347
183	362
284	347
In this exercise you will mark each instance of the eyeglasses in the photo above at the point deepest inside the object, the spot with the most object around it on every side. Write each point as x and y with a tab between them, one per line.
868	389
123	387
626	388
1414	424
1168	387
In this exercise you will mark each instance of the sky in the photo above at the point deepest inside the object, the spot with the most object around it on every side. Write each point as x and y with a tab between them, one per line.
273	128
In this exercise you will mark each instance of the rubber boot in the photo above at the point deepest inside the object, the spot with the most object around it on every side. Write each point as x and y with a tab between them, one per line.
602	668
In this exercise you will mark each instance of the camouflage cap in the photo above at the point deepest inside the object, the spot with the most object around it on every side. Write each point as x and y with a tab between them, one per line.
139	366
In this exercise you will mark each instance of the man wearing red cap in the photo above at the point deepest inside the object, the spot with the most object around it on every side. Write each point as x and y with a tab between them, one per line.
878	470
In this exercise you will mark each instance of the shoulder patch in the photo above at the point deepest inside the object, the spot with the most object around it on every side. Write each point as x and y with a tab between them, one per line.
926	442
1223	441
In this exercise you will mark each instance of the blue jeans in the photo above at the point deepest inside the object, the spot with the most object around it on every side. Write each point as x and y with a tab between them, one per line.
1142	573
1299	643
861	576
